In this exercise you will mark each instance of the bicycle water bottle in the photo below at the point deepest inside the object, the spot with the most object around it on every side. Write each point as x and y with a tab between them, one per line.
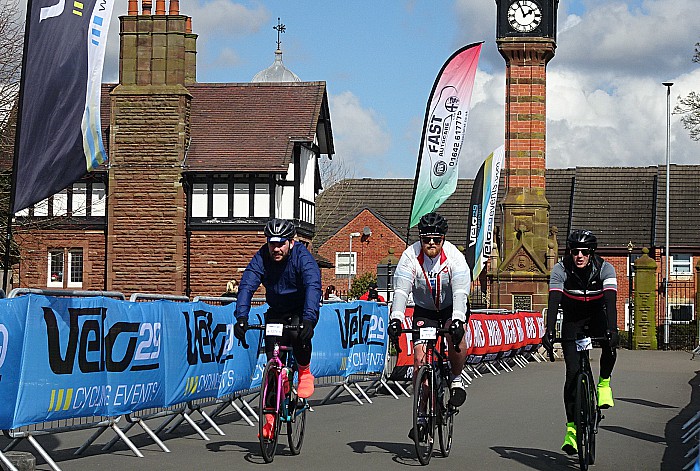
284	375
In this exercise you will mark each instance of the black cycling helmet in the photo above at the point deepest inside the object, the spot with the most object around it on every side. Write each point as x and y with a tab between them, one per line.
432	223
278	229
579	238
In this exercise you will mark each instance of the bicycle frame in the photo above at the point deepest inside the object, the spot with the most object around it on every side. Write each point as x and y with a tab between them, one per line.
588	406
284	407
434	372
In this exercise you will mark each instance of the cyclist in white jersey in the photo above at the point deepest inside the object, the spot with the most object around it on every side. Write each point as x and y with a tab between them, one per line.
437	275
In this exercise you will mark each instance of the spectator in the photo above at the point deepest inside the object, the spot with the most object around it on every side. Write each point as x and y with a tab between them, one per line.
231	289
372	294
330	294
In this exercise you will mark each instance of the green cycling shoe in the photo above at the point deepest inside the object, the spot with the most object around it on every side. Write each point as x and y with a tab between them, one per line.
570	447
605	396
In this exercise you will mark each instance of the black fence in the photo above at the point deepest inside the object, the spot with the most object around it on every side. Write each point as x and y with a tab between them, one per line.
676	319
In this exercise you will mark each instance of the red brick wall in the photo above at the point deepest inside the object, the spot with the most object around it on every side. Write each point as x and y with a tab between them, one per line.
370	250
33	269
217	257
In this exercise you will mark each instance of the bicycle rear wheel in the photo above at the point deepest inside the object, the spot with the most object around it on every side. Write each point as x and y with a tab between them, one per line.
583	420
296	423
445	417
424	414
268	407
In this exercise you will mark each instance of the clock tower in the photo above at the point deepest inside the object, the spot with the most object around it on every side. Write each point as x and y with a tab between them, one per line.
526	38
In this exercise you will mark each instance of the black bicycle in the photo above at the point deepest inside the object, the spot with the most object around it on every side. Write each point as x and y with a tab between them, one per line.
432	410
588	414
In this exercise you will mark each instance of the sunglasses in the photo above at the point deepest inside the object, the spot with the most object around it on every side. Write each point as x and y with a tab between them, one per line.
436	239
584	252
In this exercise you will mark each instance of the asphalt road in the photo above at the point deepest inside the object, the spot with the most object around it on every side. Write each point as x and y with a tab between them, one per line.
512	421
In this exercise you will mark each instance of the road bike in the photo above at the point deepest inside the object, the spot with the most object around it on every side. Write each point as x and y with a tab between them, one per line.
278	395
432	410
588	414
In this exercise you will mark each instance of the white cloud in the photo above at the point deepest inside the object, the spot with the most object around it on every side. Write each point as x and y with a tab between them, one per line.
360	134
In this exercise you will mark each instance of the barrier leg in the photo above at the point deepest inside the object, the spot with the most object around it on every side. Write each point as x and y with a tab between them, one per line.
165	423
347	388
7	463
333	394
250	409
389	390
243	414
211	422
126	440
195	426
465	376
11	446
177	423
153	436
43	453
107	445
220	408
357	385
402	389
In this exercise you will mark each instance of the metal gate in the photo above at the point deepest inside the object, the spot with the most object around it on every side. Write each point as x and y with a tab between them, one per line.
676	319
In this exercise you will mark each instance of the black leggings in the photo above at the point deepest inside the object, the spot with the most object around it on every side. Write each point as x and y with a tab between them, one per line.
607	358
302	350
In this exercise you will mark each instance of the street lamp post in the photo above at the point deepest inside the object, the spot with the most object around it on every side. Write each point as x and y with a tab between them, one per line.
352	234
630	308
668	198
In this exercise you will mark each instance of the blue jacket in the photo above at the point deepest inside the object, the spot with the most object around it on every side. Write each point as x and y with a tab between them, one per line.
292	286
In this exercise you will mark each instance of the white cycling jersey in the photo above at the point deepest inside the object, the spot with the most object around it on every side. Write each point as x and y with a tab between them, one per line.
436	283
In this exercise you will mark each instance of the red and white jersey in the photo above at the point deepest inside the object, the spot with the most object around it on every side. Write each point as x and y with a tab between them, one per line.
436	283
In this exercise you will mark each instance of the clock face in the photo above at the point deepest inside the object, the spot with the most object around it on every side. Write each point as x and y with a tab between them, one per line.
524	16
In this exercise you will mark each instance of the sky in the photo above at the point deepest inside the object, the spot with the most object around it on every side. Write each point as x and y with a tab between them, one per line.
606	105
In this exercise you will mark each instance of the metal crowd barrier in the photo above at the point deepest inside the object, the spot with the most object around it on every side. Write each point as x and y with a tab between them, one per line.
66	425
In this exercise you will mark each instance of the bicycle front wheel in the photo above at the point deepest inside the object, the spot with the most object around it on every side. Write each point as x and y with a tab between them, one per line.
594	418
424	414
296	422
583	420
445	417
269	410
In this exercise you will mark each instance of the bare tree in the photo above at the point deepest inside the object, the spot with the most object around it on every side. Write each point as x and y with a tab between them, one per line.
11	44
689	107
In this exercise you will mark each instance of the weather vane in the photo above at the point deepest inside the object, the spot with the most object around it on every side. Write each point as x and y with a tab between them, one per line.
280	28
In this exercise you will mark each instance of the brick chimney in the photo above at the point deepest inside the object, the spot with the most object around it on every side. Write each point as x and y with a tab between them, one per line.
157	49
149	132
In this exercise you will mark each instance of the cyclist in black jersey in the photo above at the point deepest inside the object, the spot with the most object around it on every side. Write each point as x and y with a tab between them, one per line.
585	287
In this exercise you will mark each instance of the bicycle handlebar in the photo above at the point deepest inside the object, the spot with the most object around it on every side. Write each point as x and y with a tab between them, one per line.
262	327
440	331
550	353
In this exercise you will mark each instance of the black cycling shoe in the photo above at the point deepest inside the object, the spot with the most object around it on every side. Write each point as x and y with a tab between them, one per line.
459	393
422	429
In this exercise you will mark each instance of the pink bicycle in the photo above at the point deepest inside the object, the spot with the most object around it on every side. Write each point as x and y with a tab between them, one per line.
279	401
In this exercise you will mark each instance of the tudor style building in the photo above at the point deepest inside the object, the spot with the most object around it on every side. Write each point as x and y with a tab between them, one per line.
195	171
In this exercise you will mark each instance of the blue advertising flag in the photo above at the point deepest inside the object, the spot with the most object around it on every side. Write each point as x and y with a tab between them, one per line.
59	132
482	210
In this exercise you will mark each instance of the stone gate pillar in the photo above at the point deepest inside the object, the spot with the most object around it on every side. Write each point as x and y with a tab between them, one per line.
644	303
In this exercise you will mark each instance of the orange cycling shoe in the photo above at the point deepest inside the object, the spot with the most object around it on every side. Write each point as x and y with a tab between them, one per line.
305	388
269	427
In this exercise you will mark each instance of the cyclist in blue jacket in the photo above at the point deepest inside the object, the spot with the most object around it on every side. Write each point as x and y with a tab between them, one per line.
292	282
